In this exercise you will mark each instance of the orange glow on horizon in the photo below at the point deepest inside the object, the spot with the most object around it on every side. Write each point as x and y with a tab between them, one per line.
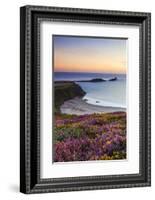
97	59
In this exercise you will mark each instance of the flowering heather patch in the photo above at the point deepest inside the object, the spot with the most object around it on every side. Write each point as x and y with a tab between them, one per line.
90	137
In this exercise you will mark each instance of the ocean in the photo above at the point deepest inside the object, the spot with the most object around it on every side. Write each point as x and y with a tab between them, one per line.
108	93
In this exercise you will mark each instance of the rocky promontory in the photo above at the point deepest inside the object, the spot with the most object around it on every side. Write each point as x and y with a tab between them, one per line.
65	90
96	80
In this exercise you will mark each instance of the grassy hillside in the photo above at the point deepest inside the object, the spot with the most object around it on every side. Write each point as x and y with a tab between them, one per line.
64	91
90	137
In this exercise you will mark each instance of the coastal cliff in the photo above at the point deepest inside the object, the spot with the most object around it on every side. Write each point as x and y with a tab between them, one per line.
65	90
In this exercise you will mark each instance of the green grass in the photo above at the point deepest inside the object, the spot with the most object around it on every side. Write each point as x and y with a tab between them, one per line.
64	91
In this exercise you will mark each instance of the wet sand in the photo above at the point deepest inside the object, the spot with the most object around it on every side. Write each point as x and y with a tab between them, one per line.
79	106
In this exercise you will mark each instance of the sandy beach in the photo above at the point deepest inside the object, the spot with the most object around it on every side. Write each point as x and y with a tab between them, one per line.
80	107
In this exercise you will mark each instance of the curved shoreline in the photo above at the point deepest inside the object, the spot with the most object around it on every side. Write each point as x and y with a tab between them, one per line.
64	91
78	106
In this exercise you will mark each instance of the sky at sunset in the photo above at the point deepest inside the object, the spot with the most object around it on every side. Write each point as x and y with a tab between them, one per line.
89	54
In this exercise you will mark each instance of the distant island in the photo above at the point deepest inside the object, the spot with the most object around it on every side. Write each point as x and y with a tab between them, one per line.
95	80
113	79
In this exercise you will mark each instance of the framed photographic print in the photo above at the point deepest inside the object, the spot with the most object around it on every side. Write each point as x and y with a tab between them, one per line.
85	99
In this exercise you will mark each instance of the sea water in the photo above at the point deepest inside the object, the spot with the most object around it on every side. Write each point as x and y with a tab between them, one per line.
108	93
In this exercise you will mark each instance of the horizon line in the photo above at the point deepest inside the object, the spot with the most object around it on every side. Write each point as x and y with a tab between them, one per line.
91	72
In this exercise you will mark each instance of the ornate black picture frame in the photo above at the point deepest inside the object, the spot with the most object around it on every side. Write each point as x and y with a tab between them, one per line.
30	18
